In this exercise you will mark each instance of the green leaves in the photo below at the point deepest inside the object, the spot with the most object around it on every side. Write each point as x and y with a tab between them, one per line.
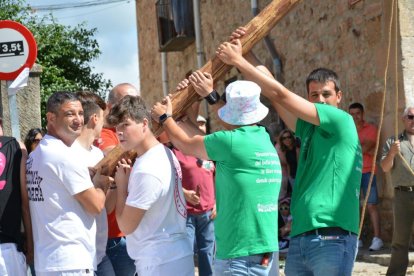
64	52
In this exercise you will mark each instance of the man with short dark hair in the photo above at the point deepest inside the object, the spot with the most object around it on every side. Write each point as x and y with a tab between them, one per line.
397	159
116	247
150	206
93	108
367	134
63	199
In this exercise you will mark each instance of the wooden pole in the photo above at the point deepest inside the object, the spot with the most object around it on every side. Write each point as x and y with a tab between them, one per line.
181	100
256	29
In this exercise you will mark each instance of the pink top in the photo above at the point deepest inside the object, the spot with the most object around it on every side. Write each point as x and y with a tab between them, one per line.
198	174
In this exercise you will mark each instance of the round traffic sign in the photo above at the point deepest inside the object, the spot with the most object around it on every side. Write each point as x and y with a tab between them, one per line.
18	49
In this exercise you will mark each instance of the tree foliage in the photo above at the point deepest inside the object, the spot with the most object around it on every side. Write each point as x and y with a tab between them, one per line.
64	52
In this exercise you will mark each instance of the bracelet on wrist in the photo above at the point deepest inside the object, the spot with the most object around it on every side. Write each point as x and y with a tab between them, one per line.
164	117
213	97
112	187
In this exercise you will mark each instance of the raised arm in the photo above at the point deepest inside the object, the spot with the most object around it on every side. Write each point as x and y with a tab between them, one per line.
231	53
188	145
388	161
288	118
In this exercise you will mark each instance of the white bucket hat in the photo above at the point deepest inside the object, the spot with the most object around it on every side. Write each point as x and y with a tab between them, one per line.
243	106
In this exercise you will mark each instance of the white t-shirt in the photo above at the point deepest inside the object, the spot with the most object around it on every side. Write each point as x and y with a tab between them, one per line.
154	186
63	232
91	158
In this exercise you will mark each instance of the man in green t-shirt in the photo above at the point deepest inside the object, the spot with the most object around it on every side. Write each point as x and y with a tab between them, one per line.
325	200
248	175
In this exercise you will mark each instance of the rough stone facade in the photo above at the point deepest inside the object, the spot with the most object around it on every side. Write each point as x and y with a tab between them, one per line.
28	104
350	39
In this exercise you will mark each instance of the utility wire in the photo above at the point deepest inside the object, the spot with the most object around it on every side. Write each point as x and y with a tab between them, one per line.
75	5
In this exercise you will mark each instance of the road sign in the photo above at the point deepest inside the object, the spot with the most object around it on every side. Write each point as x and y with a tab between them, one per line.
18	49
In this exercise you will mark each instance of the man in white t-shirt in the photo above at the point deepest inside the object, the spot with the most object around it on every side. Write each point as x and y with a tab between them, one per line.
64	201
93	108
150	207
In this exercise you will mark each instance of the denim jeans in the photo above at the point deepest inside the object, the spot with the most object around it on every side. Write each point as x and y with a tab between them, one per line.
105	268
321	255
243	266
200	228
117	252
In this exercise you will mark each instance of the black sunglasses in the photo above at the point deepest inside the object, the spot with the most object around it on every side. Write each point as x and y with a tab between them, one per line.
286	137
410	117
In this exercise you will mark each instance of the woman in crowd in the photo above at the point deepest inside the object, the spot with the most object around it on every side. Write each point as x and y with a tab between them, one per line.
290	149
33	138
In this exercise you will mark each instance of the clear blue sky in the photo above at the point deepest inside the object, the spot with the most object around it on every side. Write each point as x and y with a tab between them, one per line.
116	35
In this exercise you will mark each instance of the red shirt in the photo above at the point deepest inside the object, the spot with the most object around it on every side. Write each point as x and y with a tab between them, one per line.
367	132
198	174
109	138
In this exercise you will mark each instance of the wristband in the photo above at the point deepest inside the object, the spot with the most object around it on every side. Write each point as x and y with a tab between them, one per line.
164	117
112	187
213	97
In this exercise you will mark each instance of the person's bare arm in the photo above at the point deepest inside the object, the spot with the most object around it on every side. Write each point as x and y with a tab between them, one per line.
110	201
106	182
188	145
288	118
203	84
231	53
388	162
128	217
27	223
92	200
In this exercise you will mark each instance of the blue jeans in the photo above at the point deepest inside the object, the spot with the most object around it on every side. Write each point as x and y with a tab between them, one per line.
321	255
243	266
200	228
105	268
117	252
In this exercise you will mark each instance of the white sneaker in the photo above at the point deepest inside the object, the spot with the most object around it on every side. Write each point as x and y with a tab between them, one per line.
360	244
376	244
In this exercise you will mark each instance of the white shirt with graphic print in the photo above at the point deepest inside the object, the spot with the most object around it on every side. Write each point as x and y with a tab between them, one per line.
63	232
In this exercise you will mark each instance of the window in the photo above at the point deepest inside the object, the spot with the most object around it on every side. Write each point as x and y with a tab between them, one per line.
175	24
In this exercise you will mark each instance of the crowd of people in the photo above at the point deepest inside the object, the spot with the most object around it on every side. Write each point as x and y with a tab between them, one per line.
232	198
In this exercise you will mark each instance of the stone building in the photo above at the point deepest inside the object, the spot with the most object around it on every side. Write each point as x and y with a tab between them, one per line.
348	36
28	105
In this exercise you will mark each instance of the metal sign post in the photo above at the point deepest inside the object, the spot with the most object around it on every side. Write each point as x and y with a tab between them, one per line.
18	52
14	114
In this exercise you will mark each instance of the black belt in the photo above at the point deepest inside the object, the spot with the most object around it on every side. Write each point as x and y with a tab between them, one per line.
405	188
327	231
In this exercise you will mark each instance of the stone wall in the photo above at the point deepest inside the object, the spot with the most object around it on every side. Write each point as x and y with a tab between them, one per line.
28	104
352	40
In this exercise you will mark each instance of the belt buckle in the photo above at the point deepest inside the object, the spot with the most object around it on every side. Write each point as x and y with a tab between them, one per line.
410	188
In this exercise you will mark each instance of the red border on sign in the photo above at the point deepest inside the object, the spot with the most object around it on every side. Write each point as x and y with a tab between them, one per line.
31	58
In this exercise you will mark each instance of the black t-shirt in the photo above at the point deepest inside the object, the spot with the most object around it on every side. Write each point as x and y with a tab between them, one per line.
10	196
291	159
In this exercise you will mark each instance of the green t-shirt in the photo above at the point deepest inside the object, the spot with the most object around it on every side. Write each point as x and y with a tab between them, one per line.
328	179
248	178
